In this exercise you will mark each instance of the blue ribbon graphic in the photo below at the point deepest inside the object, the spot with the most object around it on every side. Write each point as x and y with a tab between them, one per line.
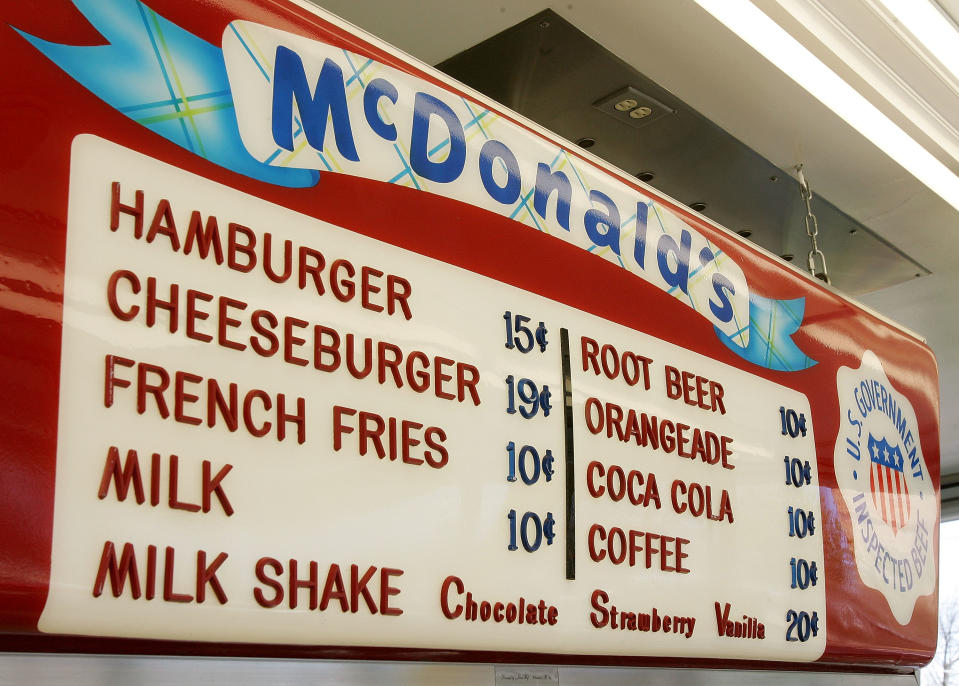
166	79
771	325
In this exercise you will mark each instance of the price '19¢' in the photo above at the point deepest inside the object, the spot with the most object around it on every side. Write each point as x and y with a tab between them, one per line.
531	398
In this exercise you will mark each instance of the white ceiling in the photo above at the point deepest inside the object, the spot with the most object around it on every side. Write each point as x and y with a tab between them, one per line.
685	50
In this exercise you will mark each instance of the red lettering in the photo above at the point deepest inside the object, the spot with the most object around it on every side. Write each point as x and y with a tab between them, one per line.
282	418
343	288
441	378
235	248
334	589
225	322
145	388
168	593
264	428
119	572
181	397
205	237
135	210
367	274
118	312
398	291
164	225
311	269
291	340
122	479
387	591
174	486
172	306
193	314
213	485
206	576
264	331
261	576
268	259
358	587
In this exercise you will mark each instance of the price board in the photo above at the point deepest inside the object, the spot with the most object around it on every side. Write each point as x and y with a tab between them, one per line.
312	351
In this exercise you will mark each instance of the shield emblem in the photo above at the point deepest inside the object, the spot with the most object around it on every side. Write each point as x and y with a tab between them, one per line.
890	494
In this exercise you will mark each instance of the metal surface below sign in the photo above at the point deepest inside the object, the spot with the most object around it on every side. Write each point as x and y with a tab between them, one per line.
311	351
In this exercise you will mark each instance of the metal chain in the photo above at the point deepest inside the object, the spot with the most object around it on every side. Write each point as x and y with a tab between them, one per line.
812	230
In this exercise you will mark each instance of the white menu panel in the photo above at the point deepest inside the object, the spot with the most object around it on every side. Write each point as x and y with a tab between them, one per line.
275	430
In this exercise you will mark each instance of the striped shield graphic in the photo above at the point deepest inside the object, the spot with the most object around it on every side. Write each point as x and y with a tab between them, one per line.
890	494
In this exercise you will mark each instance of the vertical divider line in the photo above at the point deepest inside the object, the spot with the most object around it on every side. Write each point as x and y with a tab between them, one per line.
570	476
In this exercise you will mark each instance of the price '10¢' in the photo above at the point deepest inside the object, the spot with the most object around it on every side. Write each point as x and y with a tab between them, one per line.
529	463
532	530
793	423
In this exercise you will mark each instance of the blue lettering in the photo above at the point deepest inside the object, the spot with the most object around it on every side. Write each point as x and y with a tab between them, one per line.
639	247
376	89
489	153
667	244
299	103
425	107
610	220
329	100
723	311
546	183
854	422
853	449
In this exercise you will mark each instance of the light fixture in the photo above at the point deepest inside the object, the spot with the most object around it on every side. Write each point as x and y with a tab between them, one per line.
934	31
785	52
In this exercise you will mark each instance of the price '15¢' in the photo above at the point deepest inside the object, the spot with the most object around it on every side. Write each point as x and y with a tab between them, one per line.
520	337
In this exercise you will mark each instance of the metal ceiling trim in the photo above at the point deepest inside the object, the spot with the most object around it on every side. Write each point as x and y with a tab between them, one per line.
820	20
914	44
